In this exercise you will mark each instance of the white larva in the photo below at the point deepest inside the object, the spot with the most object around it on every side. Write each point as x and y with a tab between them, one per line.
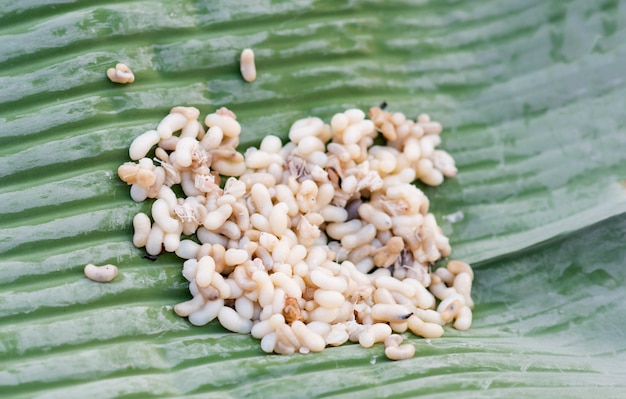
229	126
329	299
352	134
439	289
184	151
247	66
292	289
271	144
463	285
120	74
242	278
340	230
338	335
207	313
268	240
260	223
400	327
231	320
364	235
424	329
231	289
306	196
309	144
445	275
354	115
140	147
320	328
326	315
424	299
101	274
265	287
376	217
171	241
349	184
286	195
423	118
330	283
463	319
186	308
287	337
212	139
190	266
141	227
161	213
393	284
262	199
228	168
393	340
401	352
431	128
307	337
267	312
244	307
154	245
444	163
278	219
170	124
432	178
304	128
138	193
192	129
457	267
261	328
283	349
449	307
383	295
296	254
316	255
314	218
377	332
216	219
278	300
335	214
256	159
390	312
429	316
234	256
205	270
339	122
222	286
187	249
166	194
268	342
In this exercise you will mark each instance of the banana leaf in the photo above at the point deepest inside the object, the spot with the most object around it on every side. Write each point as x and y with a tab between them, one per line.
532	97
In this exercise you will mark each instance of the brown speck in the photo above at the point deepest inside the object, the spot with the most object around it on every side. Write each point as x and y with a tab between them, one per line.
292	311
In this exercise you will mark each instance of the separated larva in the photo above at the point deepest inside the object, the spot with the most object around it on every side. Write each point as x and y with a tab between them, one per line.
395	351
120	74
308	244
101	274
248	69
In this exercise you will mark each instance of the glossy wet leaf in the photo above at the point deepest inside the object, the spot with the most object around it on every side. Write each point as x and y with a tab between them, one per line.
531	94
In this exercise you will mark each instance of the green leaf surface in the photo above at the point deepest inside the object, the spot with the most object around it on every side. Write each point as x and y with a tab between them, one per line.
532	96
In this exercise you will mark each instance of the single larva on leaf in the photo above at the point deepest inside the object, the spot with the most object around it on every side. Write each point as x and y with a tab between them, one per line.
401	352
120	74
101	274
248	69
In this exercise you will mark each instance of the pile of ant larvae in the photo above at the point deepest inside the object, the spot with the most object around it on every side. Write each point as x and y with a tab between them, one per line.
305	245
